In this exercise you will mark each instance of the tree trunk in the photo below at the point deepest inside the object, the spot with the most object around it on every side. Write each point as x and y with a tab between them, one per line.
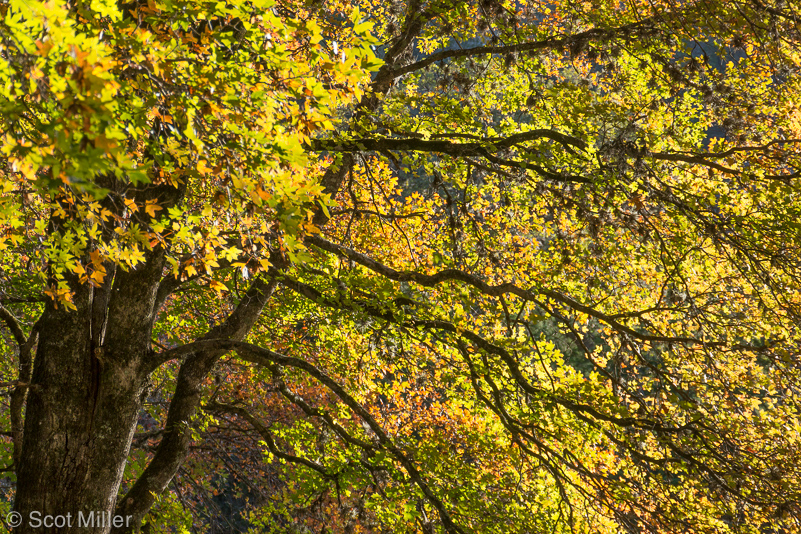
88	384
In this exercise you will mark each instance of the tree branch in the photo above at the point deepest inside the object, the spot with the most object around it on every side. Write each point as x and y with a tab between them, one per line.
595	34
173	447
268	358
13	324
22	384
18	396
436	144
430	280
581	410
264	432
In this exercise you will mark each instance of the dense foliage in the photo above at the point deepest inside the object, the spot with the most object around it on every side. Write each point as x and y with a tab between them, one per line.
417	266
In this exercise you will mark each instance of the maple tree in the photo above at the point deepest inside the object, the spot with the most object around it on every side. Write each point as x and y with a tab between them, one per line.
424	266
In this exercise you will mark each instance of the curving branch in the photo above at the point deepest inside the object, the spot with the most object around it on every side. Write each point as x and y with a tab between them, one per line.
264	432
430	280
483	147
551	43
174	445
583	411
439	142
480	147
265	357
13	325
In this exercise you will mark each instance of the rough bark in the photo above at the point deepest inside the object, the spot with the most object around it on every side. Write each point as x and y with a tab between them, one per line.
86	391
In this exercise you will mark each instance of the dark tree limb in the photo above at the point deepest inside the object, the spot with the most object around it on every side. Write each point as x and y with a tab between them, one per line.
25	366
265	357
442	146
174	445
430	280
469	336
595	34
13	325
18	396
266	435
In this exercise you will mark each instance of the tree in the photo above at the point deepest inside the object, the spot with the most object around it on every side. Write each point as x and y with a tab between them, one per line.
535	269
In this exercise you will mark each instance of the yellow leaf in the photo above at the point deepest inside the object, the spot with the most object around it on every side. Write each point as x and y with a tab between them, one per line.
218	286
97	258
202	166
151	208
96	278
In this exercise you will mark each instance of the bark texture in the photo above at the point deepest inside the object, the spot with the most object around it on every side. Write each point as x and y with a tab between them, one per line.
87	387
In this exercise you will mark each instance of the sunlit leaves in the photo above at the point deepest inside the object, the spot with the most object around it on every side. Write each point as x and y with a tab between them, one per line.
563	281
205	97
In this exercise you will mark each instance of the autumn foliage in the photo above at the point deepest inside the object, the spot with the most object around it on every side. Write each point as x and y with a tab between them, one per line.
417	266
